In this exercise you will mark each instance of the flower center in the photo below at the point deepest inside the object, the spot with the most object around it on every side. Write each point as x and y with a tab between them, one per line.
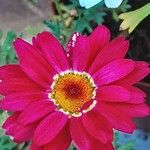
73	93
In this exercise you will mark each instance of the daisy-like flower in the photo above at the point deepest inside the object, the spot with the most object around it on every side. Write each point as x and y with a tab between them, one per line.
109	3
77	95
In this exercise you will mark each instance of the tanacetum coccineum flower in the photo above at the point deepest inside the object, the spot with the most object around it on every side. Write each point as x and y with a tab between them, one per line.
77	95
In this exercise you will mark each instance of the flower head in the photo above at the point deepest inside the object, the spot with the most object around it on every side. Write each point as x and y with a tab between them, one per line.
109	3
133	18
79	94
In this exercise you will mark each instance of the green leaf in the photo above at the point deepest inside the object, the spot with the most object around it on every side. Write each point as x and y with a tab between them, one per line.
6	143
7	54
54	27
86	16
64	24
124	6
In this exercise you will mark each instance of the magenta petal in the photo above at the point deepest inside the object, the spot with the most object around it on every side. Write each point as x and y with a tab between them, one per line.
52	125
98	39
79	135
13	79
37	68
18	101
97	126
61	141
84	49
37	46
113	71
133	110
10	122
81	53
116	118
113	93
23	133
140	71
137	96
116	49
20	132
53	51
101	146
83	140
36	111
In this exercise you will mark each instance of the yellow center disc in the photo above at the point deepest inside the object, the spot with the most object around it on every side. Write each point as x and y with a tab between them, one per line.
72	91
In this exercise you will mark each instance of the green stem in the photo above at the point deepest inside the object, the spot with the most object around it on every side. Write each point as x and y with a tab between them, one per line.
57	4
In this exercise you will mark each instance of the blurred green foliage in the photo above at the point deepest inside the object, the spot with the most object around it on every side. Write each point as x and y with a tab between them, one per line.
7	54
71	17
6	143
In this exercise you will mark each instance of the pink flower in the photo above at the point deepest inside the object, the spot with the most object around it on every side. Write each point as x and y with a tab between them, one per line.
79	94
